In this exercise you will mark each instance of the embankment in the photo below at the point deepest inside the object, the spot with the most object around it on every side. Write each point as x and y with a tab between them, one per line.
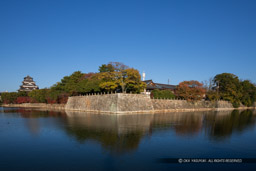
38	106
130	103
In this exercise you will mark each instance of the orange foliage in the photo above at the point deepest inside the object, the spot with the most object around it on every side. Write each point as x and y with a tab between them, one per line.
190	90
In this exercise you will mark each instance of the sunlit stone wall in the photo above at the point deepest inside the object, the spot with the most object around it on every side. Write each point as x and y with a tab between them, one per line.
161	104
113	103
138	103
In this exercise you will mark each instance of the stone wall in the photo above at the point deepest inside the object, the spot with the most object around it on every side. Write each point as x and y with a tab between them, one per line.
111	103
179	105
139	103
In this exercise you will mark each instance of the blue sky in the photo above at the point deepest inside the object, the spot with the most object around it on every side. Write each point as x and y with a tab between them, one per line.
177	40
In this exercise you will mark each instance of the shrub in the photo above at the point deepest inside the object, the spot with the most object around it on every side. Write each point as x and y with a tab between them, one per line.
162	94
23	99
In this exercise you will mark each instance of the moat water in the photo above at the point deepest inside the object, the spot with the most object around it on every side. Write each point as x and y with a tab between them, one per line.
48	140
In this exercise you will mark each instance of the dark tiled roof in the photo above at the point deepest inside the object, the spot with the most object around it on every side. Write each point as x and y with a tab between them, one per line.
165	86
152	85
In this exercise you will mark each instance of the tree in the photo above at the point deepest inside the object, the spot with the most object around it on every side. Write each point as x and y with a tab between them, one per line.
106	68
38	96
116	76
208	84
248	93
190	90
229	88
212	95
131	81
9	98
118	66
71	84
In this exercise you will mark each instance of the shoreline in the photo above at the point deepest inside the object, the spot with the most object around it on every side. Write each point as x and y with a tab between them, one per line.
62	107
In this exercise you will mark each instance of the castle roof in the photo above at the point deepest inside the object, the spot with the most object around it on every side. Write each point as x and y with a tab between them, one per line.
151	85
28	84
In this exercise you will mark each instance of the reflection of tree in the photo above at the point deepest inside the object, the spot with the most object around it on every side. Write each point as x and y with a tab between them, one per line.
184	123
189	125
110	140
123	133
31	117
222	126
32	113
116	133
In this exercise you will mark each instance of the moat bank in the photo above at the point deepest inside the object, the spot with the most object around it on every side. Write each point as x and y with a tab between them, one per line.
38	106
129	103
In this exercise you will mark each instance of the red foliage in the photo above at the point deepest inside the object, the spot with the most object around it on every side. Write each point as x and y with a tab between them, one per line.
89	75
51	101
20	100
6	101
63	98
190	90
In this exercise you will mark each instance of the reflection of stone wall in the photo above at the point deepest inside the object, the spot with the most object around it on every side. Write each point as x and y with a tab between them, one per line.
122	124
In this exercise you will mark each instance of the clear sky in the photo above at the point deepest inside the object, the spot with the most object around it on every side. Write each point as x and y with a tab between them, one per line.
173	39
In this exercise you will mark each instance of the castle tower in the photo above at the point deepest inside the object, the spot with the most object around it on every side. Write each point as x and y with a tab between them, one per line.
28	84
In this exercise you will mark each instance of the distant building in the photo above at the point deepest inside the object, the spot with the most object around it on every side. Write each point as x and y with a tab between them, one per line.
152	86
28	84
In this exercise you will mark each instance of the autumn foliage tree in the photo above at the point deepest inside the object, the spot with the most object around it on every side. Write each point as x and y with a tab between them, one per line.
116	76
190	90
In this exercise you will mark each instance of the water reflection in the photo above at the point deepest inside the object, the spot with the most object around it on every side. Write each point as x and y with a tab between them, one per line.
117	133
123	133
31	118
223	124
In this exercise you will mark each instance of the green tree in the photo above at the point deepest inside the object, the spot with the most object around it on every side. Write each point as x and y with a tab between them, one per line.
9	98
212	95
229	88
38	96
72	84
248	93
106	68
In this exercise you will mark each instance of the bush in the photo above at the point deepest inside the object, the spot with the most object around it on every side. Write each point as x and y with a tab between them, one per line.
212	96
236	104
38	96
23	99
162	94
9	98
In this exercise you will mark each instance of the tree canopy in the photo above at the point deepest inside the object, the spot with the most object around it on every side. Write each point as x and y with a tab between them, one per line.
229	87
190	90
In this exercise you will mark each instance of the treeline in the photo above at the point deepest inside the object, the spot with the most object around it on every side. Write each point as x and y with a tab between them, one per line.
112	77
225	86
117	77
229	87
